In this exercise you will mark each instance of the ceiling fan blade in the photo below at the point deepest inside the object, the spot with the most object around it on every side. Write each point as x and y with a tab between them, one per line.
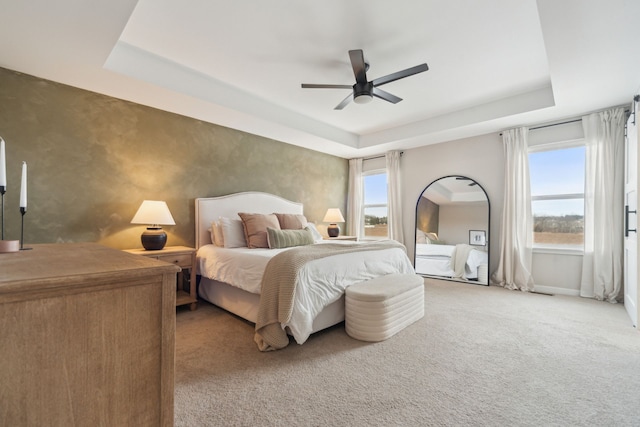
385	95
400	75
322	86
344	102
358	65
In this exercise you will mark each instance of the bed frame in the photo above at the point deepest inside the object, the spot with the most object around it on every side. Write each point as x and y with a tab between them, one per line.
230	298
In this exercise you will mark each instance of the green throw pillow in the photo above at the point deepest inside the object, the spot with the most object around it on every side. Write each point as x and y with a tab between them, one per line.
287	238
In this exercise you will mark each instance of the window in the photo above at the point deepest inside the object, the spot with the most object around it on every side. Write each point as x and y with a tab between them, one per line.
375	205
557	195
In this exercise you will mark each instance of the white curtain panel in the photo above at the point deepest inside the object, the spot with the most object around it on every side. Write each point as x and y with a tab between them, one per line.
603	205
514	267
355	199
394	201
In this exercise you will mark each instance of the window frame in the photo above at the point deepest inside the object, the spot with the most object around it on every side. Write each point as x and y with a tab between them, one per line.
554	146
377	171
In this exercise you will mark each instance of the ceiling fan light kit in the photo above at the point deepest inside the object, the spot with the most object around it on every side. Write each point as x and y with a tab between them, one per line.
364	90
362	98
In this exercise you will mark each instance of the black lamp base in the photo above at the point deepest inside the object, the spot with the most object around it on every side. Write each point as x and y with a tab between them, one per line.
333	230
154	238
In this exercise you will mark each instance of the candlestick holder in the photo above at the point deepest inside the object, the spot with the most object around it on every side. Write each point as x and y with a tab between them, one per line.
23	211
6	245
3	190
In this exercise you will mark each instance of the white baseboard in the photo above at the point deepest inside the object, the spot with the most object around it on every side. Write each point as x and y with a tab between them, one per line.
556	291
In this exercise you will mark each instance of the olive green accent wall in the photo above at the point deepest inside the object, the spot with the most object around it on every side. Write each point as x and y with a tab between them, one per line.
92	159
428	215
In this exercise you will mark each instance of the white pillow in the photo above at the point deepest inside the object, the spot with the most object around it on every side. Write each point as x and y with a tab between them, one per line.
232	233
431	237
317	237
216	234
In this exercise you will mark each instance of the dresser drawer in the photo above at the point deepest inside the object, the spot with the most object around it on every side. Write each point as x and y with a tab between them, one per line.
184	260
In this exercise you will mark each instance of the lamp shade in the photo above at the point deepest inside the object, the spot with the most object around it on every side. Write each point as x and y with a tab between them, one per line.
153	212
333	215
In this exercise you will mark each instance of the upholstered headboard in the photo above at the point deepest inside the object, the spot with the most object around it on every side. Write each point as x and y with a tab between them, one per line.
211	208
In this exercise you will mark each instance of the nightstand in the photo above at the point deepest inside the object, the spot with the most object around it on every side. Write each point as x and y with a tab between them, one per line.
183	257
353	238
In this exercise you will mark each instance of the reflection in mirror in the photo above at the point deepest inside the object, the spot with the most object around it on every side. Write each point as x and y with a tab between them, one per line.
452	230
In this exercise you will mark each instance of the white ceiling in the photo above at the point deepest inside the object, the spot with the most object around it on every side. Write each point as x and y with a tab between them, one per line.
494	64
454	190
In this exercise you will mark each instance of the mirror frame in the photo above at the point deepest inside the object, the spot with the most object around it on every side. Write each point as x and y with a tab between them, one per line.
488	241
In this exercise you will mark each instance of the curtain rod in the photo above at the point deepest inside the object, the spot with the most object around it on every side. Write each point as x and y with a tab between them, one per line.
555	124
626	110
552	124
379	157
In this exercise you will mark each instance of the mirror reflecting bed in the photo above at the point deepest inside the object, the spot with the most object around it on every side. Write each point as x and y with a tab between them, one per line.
452	230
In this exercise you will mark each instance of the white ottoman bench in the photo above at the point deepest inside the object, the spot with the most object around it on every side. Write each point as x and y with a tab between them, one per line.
379	308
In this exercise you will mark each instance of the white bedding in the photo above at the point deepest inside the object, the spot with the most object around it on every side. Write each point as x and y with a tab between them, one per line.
240	267
435	260
320	282
429	249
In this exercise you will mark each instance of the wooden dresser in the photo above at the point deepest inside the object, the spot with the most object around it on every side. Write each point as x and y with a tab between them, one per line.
87	337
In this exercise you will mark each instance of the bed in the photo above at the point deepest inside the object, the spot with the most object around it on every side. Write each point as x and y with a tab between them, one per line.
231	276
436	260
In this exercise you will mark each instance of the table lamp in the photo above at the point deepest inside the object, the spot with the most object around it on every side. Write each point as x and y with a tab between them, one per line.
333	216
155	213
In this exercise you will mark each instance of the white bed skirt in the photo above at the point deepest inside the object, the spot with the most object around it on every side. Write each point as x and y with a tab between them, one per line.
245	304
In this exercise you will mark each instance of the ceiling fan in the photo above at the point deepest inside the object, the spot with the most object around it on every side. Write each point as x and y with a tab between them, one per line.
364	90
471	184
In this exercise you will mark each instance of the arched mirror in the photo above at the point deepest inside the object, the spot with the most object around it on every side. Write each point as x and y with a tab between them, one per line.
452	230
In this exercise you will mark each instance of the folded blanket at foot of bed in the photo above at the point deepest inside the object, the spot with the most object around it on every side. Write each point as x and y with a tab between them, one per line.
459	260
279	286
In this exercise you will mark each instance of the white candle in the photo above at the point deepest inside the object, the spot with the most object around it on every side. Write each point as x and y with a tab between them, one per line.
3	166
23	186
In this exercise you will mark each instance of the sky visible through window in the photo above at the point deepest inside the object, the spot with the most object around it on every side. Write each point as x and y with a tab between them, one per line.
552	172
557	172
375	192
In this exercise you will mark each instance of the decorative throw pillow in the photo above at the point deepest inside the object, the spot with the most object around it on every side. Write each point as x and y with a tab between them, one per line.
421	236
213	237
287	238
291	221
232	233
216	234
431	237
255	228
317	237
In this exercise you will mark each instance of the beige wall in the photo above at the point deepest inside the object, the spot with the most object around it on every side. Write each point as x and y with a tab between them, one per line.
456	220
482	159
92	159
479	158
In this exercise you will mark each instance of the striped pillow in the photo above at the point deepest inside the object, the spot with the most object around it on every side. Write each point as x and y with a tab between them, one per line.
278	239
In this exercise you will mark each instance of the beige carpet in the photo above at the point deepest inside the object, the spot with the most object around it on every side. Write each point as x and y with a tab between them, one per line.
480	356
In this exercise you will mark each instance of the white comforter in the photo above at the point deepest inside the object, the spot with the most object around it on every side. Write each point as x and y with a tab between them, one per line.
320	282
430	251
240	267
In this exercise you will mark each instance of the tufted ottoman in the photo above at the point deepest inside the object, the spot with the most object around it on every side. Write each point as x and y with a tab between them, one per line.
378	308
